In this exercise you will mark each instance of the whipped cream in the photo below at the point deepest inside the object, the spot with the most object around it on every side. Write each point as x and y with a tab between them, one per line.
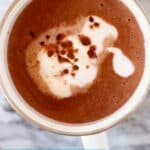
121	63
66	75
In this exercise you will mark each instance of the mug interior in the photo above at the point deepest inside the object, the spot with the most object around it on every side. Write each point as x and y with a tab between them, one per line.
33	116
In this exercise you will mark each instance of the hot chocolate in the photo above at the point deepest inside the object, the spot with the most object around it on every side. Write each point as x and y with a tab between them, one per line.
74	63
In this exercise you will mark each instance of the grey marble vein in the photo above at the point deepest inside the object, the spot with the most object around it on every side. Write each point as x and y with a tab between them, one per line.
133	132
16	132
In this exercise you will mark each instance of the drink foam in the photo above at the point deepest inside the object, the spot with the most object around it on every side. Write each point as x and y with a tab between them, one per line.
68	60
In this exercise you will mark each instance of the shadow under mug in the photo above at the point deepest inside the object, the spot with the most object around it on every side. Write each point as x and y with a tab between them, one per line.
42	121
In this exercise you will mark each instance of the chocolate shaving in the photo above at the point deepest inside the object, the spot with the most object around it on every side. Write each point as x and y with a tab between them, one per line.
85	40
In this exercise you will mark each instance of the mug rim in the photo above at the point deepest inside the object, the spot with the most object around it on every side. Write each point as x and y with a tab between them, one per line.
74	131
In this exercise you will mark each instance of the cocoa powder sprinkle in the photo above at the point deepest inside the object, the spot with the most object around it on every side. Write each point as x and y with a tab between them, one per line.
91	19
65	71
31	33
76	50
101	4
67	44
75	67
87	66
76	59
96	24
60	36
85	40
62	59
63	52
73	74
92	52
93	48
70	55
47	37
91	26
42	43
51	47
50	53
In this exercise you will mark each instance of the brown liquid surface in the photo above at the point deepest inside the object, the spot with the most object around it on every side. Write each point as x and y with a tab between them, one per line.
110	91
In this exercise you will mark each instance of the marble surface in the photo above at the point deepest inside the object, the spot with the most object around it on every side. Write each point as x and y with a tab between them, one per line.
15	132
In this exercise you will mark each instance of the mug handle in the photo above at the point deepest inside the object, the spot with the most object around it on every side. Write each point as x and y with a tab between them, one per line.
97	141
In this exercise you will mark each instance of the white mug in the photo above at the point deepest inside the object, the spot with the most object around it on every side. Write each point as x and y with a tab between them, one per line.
17	102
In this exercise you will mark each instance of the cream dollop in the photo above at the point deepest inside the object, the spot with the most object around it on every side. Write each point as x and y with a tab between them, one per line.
121	63
101	36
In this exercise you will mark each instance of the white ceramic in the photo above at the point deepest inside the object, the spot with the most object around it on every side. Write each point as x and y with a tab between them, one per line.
95	142
35	117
